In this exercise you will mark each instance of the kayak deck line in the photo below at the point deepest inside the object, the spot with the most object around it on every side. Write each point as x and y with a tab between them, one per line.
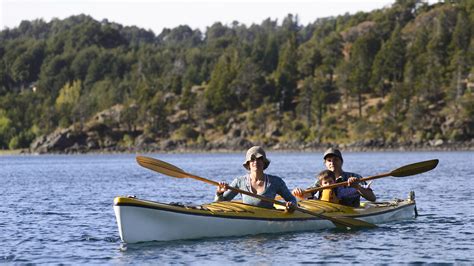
381	212
358	212
211	211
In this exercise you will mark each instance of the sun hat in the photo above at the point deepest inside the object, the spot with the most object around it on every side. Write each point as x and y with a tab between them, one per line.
256	152
334	152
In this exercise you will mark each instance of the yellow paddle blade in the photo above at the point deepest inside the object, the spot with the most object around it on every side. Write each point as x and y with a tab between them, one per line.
341	222
351	223
415	168
161	167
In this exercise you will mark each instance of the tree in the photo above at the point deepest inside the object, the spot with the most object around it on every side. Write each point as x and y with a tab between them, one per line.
26	67
309	57
249	85
459	65
270	54
67	100
313	97
218	94
82	60
331	51
389	63
286	75
5	129
155	113
54	74
182	35
436	54
361	59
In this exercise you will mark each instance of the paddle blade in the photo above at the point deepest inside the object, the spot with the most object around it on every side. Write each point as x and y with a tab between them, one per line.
161	167
416	168
341	222
351	223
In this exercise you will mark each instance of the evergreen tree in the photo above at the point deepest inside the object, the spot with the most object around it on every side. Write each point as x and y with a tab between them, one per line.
362	56
286	75
220	97
389	63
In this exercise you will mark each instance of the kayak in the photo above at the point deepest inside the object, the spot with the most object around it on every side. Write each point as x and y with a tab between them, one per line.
143	220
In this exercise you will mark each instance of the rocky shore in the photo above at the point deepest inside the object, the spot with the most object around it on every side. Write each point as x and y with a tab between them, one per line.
68	141
66	144
106	133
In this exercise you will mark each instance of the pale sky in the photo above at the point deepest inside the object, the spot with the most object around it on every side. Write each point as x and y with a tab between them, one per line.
158	14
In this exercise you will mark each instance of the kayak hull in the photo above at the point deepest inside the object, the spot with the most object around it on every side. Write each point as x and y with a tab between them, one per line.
141	220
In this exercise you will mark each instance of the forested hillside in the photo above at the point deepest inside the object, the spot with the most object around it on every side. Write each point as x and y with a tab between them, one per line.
401	76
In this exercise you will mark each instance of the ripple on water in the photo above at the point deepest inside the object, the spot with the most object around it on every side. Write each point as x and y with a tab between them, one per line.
5	258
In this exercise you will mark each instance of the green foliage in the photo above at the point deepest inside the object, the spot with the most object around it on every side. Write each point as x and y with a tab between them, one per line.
185	133
286	75
5	129
389	63
54	74
364	130
127	141
14	143
362	56
67	101
259	119
218	94
249	86
292	82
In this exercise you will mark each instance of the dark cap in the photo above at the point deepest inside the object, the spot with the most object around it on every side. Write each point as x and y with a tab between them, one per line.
334	152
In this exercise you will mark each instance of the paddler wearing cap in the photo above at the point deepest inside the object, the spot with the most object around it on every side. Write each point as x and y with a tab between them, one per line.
333	161
256	181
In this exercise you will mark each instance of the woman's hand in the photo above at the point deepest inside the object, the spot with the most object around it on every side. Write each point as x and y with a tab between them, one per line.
223	186
298	192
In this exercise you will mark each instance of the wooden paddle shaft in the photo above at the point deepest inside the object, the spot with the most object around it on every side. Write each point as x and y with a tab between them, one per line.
407	170
345	183
237	190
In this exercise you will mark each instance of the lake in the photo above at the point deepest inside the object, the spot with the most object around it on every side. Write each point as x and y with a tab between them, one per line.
59	209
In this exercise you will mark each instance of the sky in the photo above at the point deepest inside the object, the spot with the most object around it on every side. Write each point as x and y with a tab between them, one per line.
198	14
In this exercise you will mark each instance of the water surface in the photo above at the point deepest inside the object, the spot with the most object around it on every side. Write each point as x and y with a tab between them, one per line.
58	209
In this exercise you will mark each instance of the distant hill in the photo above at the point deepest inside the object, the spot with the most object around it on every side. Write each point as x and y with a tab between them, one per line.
398	77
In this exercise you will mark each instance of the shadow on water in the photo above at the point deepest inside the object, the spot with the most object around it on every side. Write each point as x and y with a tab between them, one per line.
331	233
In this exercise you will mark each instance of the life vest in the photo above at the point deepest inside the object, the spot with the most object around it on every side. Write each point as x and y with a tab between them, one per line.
329	195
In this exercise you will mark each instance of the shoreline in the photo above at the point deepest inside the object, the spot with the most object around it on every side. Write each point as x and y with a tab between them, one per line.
445	148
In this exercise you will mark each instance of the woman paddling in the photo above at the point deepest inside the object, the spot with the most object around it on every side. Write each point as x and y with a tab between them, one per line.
256	181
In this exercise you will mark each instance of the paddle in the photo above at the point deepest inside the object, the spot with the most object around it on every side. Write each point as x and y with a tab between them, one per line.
407	170
171	170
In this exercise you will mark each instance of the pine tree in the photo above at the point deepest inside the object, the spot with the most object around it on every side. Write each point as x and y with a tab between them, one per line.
220	97
389	63
286	76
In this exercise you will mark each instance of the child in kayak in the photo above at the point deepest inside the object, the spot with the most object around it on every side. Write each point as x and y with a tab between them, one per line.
335	195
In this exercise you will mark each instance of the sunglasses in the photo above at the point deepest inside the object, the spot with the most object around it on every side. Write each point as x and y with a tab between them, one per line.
253	159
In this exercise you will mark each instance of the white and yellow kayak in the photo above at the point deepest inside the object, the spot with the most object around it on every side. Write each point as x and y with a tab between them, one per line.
142	220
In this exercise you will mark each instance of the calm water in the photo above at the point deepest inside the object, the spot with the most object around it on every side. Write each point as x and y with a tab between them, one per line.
58	209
